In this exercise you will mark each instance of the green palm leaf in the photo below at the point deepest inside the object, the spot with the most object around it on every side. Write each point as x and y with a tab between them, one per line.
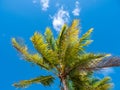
103	84
50	39
86	62
49	56
85	39
34	58
44	80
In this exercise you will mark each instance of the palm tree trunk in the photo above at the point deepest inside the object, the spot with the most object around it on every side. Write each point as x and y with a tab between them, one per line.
65	87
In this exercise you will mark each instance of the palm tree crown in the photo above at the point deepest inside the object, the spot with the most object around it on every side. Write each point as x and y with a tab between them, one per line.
65	56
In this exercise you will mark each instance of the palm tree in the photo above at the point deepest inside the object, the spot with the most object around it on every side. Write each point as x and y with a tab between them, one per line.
66	58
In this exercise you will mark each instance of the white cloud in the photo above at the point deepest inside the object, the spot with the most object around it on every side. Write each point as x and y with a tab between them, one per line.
76	11
106	71
45	4
60	18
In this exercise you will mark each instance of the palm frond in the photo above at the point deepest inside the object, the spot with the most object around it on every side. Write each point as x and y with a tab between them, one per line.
86	37
34	58
85	40
80	82
44	80
86	61
68	35
61	36
50	39
59	41
107	62
77	48
71	54
87	82
103	84
72	32
48	54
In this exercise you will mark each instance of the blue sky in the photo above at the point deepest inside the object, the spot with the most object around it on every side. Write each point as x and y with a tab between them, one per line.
21	18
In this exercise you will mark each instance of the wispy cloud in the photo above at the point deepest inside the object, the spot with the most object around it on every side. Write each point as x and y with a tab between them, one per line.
106	71
44	4
60	18
76	10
